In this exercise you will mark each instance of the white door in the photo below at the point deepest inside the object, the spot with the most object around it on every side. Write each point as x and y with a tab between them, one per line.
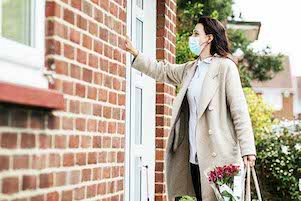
140	98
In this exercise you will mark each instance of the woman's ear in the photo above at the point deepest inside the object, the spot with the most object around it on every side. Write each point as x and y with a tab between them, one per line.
211	37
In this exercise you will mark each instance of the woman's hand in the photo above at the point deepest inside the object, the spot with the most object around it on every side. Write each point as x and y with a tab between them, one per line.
129	47
249	159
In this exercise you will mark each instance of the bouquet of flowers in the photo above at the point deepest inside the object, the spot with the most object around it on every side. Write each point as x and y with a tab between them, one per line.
227	182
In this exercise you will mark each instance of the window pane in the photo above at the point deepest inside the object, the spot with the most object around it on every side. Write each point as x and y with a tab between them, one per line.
138	116
16	20
139	3
139	38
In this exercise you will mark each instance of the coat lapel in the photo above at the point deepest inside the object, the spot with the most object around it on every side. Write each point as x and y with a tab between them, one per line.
209	87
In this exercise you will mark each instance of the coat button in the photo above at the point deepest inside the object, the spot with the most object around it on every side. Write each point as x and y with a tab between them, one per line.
210	132
210	108
213	154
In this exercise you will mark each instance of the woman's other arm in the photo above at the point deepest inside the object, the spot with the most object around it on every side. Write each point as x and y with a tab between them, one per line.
239	111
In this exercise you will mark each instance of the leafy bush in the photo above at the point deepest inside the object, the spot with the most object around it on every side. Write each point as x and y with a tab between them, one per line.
279	161
261	114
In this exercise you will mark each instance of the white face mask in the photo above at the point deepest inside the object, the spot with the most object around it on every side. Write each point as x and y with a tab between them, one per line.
194	45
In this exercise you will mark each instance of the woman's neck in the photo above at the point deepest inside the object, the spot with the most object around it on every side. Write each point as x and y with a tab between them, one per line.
205	53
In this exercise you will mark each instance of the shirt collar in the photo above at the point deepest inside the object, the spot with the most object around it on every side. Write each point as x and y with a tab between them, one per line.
208	59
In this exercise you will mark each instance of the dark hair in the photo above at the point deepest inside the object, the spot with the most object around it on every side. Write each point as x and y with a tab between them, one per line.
220	44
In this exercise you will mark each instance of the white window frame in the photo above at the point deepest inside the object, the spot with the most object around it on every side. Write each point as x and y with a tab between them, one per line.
22	64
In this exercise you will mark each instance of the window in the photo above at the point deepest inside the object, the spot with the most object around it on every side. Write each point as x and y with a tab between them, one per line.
22	42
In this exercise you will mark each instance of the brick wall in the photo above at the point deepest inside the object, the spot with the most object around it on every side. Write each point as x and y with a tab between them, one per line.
166	40
77	153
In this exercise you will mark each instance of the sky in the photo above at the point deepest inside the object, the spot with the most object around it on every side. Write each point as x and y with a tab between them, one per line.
280	26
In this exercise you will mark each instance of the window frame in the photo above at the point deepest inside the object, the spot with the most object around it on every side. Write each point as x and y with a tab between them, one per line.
22	64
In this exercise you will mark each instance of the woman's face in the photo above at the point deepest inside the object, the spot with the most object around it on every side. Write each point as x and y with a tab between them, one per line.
199	31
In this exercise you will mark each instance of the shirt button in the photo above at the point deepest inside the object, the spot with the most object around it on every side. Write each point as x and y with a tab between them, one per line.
210	132
210	107
213	154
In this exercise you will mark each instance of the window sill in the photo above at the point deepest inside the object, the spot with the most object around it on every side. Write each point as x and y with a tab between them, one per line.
30	96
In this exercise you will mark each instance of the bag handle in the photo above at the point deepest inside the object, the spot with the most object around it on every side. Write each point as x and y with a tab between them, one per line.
248	185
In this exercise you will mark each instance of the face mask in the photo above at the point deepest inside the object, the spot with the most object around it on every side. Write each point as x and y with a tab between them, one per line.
194	45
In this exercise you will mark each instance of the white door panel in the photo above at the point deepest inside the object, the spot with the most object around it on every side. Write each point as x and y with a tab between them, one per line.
140	98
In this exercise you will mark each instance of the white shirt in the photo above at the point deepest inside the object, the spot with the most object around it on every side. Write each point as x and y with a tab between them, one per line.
193	94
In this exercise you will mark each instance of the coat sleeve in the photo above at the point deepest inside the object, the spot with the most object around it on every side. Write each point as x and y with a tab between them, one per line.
239	111
160	71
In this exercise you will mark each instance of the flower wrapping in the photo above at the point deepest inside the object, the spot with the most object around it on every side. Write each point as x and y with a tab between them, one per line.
227	181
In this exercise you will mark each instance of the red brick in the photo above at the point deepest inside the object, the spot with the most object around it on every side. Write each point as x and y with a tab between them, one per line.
82	22
96	173
61	30
79	193
76	4
75	36
107	112
112	97
60	142
74	106
103	95
53	196
75	71
54	160
106	172
87	8
28	140
87	42
106	142
46	180
120	157
116	142
91	190
96	141
103	34
87	75
37	198
9	140
93	28
69	16
86	141
97	110
67	195
92	125
92	93
121	99
86	175
80	124
98	15
101	188
81	56
20	162
60	178
68	159
68	87
67	123
38	161
73	141
102	157
29	182
98	47
74	176
92	158
80	90
112	127
10	185
86	108
81	158
68	51
93	61
4	165
19	118
108	81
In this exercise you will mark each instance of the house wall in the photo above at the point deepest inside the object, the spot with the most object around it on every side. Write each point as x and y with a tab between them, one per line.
166	41
78	153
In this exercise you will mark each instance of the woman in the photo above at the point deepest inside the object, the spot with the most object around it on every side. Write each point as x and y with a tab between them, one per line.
210	123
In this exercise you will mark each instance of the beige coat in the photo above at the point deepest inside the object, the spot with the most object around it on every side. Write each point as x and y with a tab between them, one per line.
224	125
